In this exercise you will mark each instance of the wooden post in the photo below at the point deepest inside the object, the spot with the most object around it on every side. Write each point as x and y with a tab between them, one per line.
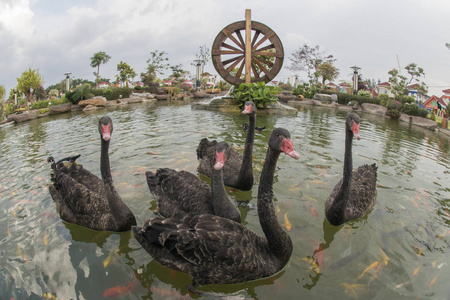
248	45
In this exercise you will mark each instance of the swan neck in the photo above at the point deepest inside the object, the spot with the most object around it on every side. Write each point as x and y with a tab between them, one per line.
246	167
221	204
277	239
105	169
348	161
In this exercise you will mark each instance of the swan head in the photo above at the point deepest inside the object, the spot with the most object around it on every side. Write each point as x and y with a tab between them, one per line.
105	127
249	108
222	153
280	140
352	123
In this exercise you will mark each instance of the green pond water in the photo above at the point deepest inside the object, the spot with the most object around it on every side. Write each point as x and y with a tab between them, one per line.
400	250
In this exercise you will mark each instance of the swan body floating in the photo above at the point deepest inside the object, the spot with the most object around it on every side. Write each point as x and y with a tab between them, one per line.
84	199
238	172
355	194
215	250
183	192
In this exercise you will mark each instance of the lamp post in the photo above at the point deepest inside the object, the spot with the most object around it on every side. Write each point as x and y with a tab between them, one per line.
67	81
199	64
355	79
296	81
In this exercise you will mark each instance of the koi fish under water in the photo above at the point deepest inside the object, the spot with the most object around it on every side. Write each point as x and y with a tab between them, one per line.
121	289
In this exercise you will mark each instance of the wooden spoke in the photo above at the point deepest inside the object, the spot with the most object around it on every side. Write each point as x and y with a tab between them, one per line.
228	53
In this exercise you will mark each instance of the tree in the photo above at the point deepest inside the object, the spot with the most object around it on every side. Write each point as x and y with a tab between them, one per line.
308	59
2	92
328	72
125	72
155	65
28	83
98	59
399	83
204	56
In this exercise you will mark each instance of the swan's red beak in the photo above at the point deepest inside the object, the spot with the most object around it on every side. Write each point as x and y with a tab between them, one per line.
220	160
288	148
106	132
355	129
247	110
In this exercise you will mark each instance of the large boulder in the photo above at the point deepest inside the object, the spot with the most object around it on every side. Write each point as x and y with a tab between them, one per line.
419	121
62	108
374	109
25	116
93	101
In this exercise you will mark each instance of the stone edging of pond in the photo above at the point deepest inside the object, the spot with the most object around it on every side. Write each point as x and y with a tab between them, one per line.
375	110
94	104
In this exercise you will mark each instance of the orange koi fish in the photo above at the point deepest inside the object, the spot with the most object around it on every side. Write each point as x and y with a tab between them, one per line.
312	209
416	271
287	224
433	281
121	289
372	266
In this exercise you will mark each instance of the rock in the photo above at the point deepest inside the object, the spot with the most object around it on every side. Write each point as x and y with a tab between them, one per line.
324	98
76	107
46	114
90	107
419	121
150	96
200	95
134	100
25	116
93	101
162	97
374	109
286	97
62	108
111	103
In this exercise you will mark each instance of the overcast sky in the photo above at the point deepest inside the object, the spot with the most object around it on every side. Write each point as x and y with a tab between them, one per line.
59	36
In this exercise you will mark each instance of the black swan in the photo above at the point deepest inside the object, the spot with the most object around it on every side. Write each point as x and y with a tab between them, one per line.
183	192
355	194
84	199
215	250
238	172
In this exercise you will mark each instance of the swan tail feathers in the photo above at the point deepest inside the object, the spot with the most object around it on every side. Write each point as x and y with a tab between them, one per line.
202	149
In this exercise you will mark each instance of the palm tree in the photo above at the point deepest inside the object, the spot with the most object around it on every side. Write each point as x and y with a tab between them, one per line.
98	59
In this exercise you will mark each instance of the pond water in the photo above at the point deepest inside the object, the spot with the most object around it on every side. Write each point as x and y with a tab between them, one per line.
399	250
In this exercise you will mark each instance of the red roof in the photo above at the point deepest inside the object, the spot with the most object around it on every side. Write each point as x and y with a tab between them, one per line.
447	91
434	98
384	84
413	86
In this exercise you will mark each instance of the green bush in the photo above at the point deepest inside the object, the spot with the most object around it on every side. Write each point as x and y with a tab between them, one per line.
393	113
344	98
257	92
9	108
384	99
364	93
306	90
40	104
414	110
96	92
43	110
108	94
408	99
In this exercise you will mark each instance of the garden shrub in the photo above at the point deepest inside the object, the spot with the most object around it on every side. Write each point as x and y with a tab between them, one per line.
96	92
408	99
108	94
384	99
394	113
414	110
40	104
344	98
257	92
364	93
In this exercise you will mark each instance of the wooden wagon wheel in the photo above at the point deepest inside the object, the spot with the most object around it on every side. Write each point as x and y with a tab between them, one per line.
228	53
